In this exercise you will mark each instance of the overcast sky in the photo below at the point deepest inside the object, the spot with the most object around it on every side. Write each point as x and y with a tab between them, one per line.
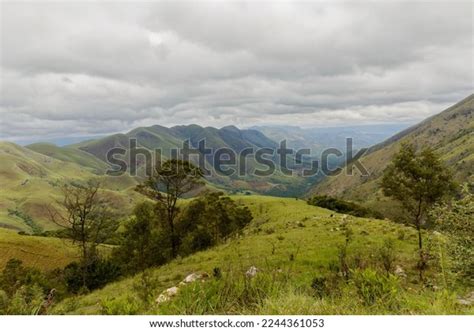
96	68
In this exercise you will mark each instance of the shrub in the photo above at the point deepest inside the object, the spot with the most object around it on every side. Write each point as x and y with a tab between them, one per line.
120	306
319	285
98	273
27	300
373	288
456	220
342	206
386	254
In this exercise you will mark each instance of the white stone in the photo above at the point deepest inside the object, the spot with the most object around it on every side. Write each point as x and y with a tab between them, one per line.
251	272
400	272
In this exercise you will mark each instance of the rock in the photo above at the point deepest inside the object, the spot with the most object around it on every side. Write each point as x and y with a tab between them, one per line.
400	272
467	301
464	302
167	294
191	278
162	298
172	291
251	272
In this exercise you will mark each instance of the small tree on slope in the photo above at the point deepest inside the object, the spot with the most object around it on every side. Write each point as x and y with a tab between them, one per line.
417	181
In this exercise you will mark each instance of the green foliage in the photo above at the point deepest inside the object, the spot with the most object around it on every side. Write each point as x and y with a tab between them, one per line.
15	275
169	182
374	288
231	294
120	306
281	286
35	228
144	242
321	286
209	220
341	206
417	181
342	249
98	273
22	289
456	220
27	300
387	255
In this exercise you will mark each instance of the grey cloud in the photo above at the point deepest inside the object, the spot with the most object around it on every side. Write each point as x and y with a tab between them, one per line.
94	68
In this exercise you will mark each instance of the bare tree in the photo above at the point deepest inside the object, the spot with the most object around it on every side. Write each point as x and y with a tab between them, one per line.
87	218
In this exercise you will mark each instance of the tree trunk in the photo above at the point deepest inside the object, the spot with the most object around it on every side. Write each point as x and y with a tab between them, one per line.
420	250
174	248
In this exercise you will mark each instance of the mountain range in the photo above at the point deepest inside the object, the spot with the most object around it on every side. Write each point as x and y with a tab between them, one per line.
31	175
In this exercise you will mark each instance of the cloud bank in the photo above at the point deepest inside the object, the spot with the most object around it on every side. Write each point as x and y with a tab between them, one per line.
93	68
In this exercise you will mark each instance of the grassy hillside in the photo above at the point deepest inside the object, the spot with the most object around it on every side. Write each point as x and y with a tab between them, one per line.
39	252
30	181
69	154
290	243
450	133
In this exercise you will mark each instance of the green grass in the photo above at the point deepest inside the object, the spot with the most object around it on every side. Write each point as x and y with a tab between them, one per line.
30	181
70	154
39	252
290	242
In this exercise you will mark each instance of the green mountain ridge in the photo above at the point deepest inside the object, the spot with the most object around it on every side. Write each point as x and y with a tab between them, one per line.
450	133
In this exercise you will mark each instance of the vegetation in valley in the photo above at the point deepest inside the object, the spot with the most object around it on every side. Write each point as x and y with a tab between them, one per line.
342	206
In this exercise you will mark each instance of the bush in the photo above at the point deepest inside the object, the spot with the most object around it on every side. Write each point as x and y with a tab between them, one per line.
120	306
456	220
319	285
341	206
373	288
98	273
386	254
27	300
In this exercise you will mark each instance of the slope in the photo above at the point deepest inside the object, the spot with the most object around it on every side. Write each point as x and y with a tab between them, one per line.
39	252
69	154
30	181
450	133
289	242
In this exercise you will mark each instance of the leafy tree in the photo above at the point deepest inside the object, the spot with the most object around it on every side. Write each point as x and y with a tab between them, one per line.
417	181
88	219
142	241
168	183
209	220
456	219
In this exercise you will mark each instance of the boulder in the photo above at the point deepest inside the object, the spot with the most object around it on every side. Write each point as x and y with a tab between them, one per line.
400	272
167	294
252	272
468	300
195	276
